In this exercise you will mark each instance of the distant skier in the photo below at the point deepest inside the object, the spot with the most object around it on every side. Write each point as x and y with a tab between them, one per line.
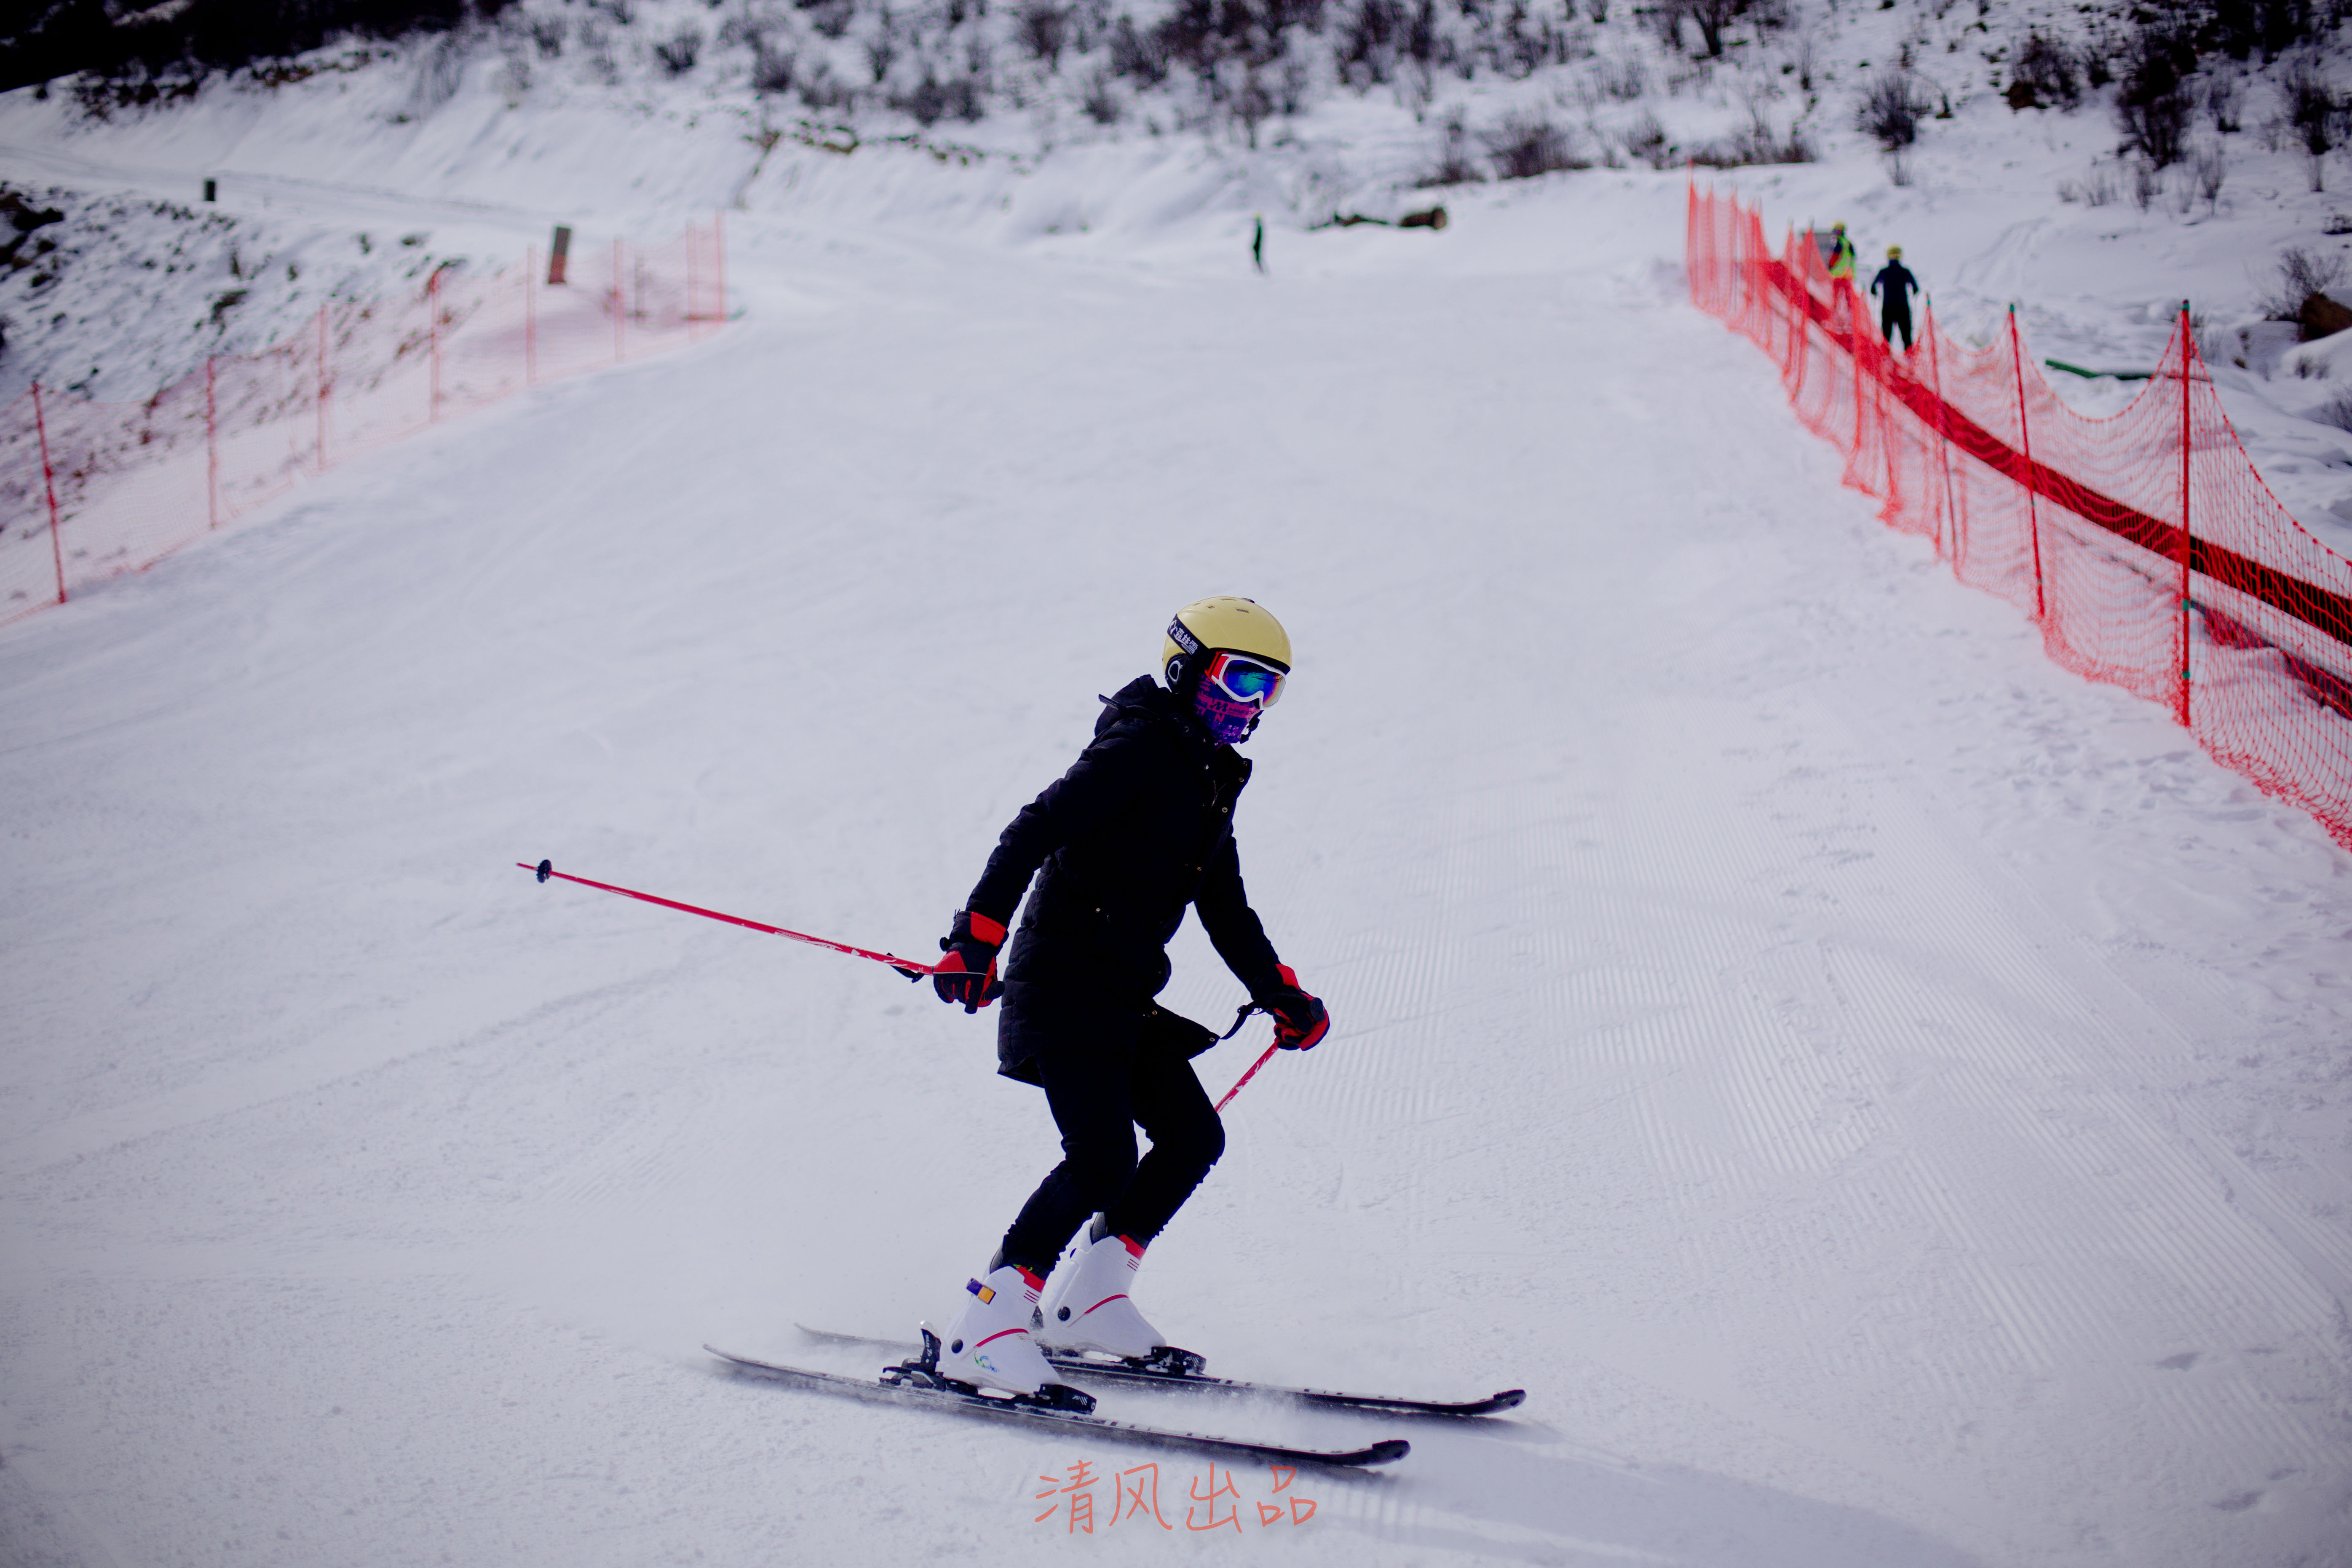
1257	243
1895	286
1139	828
1840	254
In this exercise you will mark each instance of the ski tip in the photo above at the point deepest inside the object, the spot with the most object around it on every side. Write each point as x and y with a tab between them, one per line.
546	870
1509	1399
1388	1451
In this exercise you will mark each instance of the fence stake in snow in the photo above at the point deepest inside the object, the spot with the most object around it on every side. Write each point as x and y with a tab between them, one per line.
530	317
322	389
432	328
559	256
1950	522
212	450
620	305
905	966
2025	448
49	487
2188	360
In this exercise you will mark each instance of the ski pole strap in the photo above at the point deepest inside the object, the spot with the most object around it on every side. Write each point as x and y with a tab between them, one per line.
904	966
1240	1016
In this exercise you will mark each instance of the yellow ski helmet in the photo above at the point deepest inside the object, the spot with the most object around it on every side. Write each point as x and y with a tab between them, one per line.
1224	624
1894	253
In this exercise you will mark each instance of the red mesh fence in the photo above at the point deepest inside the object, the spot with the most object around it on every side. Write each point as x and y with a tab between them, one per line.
89	489
2145	546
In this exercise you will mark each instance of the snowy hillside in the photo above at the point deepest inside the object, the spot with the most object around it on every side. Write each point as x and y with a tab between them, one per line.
1882	1097
1040	121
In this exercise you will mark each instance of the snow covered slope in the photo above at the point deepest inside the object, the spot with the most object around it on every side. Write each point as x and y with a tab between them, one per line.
471	143
1883	1097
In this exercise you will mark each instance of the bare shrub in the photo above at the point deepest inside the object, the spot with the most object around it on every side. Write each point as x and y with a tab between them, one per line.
2311	106
772	71
2207	169
831	18
1623	78
2299	274
547	34
2095	189
1101	104
1645	141
1892	107
1526	145
2147	183
2044	73
1758	143
933	101
678	52
1045	32
1454	166
2152	104
2336	411
1137	54
2225	100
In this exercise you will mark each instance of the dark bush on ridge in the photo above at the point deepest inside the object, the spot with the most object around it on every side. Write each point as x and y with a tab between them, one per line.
2043	74
1891	108
70	35
2299	275
2153	106
1527	145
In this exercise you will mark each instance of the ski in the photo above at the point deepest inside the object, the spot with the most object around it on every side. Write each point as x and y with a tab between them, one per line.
910	1384
1182	1370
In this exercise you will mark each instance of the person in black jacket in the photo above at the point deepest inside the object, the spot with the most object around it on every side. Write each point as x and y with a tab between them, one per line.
1895	285
1139	829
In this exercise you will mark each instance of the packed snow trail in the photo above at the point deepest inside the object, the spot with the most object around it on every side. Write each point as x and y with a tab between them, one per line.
1881	1096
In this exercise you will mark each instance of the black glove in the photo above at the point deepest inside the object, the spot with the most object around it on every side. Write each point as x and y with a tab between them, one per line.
967	973
1300	1021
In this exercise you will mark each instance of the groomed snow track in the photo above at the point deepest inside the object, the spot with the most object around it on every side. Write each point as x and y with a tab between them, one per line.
1881	1096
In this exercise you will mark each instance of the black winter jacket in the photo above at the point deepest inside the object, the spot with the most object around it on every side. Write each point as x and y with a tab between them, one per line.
1895	282
1140	827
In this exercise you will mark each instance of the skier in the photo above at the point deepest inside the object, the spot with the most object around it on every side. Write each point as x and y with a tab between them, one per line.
1840	254
1895	285
1140	827
1257	243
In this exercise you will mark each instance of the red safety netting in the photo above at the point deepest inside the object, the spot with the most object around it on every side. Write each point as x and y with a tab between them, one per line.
90	489
2145	546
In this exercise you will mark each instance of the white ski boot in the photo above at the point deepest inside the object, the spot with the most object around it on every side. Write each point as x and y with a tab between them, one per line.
1087	1305
988	1344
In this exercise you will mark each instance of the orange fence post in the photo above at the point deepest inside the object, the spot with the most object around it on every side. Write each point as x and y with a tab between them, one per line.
719	239
2188	354
212	450
620	304
1951	518
530	317
322	389
2025	447
433	330
49	488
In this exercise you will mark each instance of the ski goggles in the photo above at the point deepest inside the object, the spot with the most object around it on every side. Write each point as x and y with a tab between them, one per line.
1245	680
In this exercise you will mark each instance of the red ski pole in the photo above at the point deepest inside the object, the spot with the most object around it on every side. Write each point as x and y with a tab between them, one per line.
905	966
1249	1075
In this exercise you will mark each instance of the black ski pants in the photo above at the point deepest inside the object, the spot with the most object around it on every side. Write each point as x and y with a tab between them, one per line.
1892	318
1106	1072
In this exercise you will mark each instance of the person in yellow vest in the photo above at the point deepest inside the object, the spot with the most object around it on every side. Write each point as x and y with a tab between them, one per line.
1840	254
